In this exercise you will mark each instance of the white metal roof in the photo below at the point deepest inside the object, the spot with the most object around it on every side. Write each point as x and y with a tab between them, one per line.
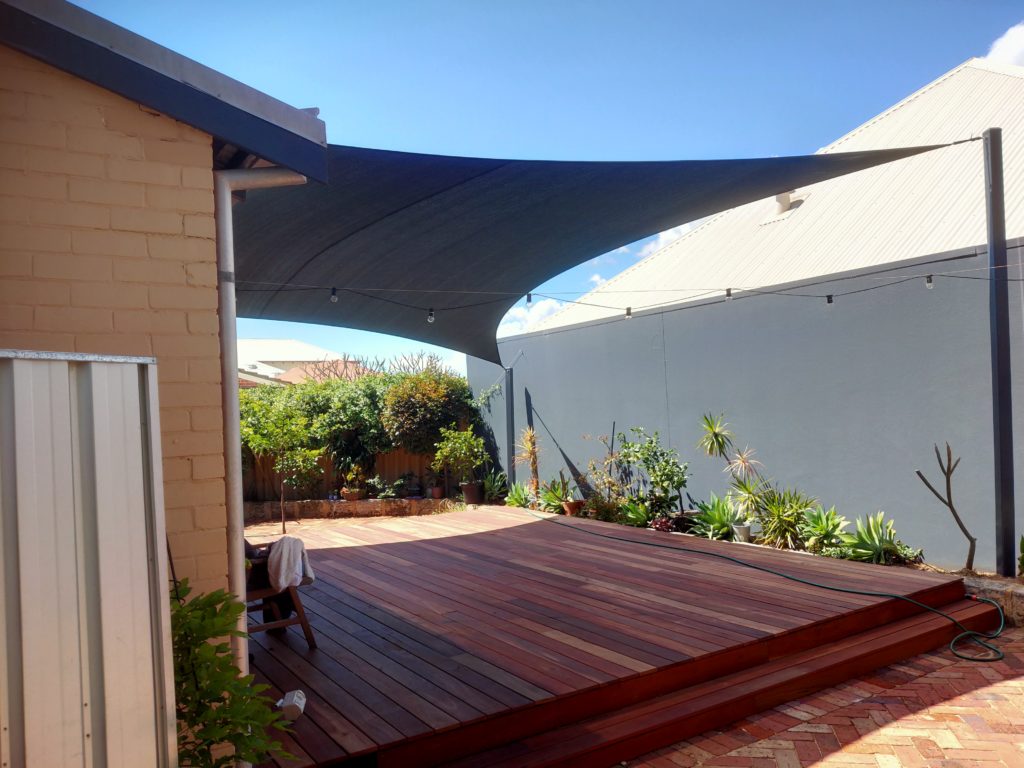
930	203
265	352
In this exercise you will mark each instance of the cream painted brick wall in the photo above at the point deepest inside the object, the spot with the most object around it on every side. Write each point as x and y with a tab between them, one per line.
107	246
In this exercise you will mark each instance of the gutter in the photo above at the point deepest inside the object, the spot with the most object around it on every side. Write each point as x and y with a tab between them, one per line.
224	183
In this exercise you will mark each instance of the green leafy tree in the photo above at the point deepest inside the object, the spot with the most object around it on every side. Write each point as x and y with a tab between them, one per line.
658	475
276	421
418	406
347	418
215	707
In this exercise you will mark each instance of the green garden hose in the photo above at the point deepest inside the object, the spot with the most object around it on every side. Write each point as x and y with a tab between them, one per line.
965	635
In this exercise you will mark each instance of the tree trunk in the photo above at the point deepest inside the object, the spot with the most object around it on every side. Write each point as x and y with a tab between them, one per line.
283	528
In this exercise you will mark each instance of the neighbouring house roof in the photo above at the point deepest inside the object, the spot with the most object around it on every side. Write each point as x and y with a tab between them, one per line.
275	357
324	370
407	238
247	125
248	380
928	204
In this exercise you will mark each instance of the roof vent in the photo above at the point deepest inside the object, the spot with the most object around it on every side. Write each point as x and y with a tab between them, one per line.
783	201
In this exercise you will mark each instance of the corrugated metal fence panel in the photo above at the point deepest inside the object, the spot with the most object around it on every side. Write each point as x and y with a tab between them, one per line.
85	619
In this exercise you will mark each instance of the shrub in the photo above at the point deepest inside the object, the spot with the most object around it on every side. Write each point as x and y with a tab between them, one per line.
213	704
657	474
716	519
346	419
634	513
518	496
822	528
554	493
780	516
418	406
461	452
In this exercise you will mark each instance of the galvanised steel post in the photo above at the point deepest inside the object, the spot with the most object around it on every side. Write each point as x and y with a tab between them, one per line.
999	333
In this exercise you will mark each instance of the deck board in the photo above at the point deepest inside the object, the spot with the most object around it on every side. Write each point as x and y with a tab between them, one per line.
434	625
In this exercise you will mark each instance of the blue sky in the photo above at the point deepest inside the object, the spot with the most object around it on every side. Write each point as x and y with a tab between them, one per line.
575	79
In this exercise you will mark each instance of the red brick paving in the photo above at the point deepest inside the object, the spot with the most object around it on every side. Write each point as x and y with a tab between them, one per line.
934	711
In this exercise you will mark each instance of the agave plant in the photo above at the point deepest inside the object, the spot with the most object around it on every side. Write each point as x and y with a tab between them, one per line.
875	540
518	496
554	493
822	528
716	519
780	516
495	485
634	513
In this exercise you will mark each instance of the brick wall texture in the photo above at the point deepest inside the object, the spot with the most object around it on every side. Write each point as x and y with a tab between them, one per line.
107	246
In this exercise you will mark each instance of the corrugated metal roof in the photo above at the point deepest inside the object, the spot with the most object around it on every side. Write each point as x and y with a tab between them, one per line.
930	203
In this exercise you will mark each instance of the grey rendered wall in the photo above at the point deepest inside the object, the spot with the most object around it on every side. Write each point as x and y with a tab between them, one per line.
843	401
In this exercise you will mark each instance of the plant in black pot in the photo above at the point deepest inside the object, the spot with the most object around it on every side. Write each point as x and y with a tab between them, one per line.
461	452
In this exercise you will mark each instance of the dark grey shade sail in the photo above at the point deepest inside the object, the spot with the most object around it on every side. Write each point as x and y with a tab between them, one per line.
399	234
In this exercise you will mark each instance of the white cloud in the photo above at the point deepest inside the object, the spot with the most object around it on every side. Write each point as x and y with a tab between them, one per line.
1009	49
596	279
519	319
664	238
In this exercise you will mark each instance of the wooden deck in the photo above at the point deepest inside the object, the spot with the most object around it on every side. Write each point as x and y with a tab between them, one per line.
489	637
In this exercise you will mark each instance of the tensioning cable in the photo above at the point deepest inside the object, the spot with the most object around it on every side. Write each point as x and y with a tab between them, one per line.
965	635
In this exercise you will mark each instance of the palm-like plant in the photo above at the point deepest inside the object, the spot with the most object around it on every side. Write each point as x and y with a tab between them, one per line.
528	453
743	465
717	439
748	495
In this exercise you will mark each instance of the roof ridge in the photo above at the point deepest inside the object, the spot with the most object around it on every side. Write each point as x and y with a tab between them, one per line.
927	87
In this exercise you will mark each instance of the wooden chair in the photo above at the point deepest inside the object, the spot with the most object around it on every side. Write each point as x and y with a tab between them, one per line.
259	599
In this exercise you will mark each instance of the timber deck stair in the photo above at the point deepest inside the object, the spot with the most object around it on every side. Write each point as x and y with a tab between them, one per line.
487	637
634	730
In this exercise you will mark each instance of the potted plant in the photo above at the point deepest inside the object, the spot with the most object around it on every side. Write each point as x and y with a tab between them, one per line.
461	452
741	528
355	484
435	484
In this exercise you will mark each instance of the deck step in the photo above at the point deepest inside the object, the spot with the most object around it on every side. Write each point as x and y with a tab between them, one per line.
642	727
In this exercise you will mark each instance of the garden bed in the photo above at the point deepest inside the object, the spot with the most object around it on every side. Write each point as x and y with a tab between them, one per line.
264	511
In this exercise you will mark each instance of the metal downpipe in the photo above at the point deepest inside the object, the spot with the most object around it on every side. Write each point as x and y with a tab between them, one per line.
224	183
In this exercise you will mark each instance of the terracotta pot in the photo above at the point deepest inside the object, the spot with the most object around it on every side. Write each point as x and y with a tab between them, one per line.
437	492
354	495
572	508
472	493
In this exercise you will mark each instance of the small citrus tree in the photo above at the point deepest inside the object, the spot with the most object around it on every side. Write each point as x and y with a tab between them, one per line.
460	452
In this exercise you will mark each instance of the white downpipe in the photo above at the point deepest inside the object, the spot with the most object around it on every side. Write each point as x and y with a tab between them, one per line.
224	183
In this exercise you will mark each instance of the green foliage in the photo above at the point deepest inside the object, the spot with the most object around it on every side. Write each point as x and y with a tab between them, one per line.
276	421
418	406
382	489
554	493
213	704
658	476
461	452
874	541
748	495
716	439
839	552
634	513
716	519
495	486
780	516
822	528
346	419
518	496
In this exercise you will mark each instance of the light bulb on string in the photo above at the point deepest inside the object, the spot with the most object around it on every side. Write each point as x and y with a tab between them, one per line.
929	283
529	300
334	295
829	299
728	294
430	315
629	313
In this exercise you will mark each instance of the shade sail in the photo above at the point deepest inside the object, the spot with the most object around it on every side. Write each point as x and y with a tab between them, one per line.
398	234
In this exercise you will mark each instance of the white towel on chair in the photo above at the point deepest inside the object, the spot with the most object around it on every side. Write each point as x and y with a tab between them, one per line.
288	564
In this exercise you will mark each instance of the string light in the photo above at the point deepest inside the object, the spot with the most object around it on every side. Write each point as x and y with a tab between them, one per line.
529	300
430	315
929	283
728	294
629	313
829	299
334	295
